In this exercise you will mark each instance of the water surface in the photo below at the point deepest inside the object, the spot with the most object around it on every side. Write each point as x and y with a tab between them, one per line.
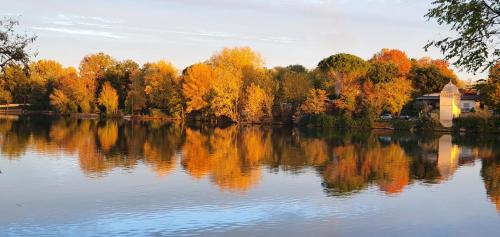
68	177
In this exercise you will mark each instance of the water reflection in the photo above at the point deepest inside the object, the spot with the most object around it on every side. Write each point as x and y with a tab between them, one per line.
235	158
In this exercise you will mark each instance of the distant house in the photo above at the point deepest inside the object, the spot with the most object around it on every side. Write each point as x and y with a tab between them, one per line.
469	100
452	102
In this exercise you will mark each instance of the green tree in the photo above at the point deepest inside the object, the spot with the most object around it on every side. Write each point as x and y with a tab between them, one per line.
119	75
136	97
14	47
475	43
163	87
382	72
428	78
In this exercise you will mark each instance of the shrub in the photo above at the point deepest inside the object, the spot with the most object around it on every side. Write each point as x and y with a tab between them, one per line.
475	123
427	122
319	120
403	124
156	113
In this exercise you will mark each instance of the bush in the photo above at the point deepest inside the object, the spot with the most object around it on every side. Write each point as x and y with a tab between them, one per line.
156	113
403	124
427	122
331	121
319	120
476	124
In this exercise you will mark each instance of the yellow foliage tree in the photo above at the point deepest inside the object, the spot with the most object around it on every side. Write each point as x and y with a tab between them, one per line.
258	103
226	92
109	98
236	59
315	102
395	94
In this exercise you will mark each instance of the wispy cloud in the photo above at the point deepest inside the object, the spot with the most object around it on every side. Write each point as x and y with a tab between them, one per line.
80	32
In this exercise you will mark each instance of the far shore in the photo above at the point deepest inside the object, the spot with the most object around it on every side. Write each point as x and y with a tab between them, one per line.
378	125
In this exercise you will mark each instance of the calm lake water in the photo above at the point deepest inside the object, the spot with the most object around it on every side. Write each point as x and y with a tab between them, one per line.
68	177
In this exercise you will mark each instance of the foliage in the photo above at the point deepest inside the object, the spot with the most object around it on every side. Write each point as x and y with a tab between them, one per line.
14	47
319	120
198	81
258	104
491	90
162	87
120	77
395	94
315	102
136	98
428	78
382	72
108	98
396	57
476	24
427	122
294	87
225	94
399	124
343	63
62	103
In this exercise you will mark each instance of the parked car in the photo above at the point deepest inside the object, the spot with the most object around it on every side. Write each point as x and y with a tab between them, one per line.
405	117
386	117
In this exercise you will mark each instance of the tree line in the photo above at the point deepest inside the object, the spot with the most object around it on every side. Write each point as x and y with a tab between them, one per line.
232	84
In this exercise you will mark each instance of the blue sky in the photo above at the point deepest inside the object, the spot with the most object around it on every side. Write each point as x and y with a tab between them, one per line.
188	31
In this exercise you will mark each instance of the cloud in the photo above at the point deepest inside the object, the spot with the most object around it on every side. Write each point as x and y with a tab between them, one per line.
80	32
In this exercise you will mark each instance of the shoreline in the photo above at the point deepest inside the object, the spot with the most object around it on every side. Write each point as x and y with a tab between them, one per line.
379	125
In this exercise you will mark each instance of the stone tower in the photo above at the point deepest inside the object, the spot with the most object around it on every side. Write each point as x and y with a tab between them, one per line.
449	104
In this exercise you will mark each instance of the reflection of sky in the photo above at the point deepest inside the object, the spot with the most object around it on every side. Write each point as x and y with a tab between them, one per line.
48	194
189	31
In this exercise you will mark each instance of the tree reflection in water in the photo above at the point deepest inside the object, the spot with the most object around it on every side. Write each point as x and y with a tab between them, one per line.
234	158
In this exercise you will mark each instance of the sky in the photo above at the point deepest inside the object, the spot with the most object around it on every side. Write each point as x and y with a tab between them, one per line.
189	31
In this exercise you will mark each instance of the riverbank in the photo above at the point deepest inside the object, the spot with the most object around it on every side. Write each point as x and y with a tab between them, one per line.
461	125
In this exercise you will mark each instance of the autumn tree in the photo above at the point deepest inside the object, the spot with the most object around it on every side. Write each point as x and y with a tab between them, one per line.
348	72
315	102
225	94
16	82
44	76
93	68
258	104
395	94
396	57
229	65
119	75
163	87
108	98
69	94
197	83
61	102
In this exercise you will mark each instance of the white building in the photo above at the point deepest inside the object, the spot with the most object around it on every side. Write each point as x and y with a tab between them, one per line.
449	104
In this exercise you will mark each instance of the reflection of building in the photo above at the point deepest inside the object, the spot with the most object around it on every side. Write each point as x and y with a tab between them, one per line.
448	155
